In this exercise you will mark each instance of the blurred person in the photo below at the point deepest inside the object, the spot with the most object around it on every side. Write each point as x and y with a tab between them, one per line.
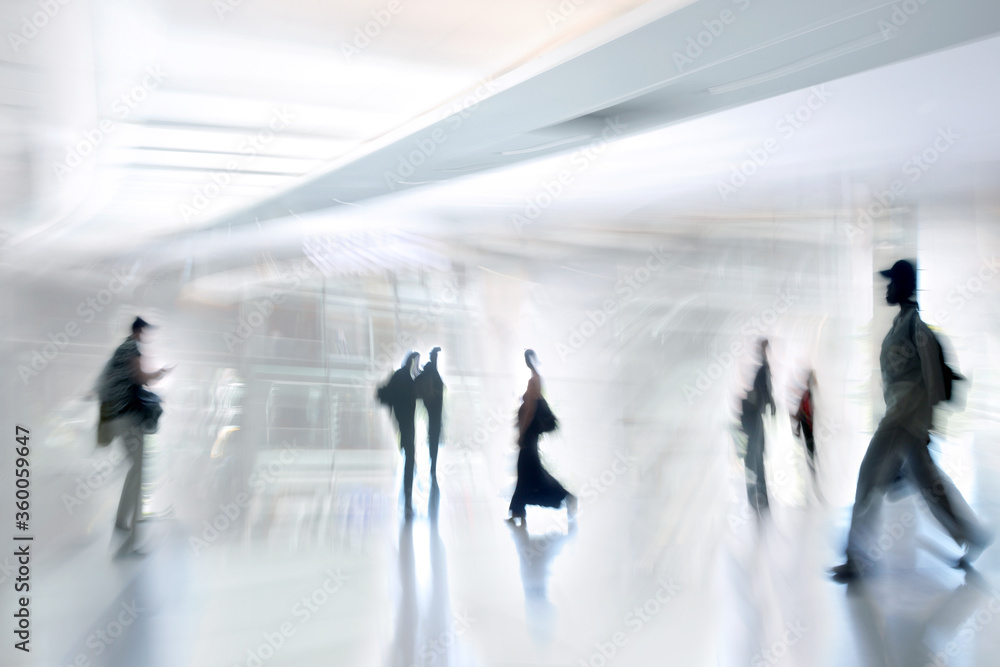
535	486
400	395
803	418
430	390
754	405
129	410
913	381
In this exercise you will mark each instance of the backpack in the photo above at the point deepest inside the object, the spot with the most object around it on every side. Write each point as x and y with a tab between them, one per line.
948	374
545	420
384	393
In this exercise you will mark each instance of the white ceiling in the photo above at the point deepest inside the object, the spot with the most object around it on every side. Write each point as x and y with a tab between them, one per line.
110	150
344	123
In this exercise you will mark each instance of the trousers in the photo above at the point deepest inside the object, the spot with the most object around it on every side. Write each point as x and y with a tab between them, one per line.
433	437
754	463
894	450
130	505
407	436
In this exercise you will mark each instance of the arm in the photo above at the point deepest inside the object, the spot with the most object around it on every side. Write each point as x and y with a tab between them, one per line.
770	393
141	377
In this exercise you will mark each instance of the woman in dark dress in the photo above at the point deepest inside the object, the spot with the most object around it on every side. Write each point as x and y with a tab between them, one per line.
535	486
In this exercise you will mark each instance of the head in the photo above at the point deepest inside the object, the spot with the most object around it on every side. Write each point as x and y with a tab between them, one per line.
411	362
902	282
764	345
531	359
139	327
434	354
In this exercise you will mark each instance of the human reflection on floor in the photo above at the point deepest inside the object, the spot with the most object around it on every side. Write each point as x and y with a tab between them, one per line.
536	553
910	620
427	630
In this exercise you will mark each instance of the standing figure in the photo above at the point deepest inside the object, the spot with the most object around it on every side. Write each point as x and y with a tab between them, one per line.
129	410
753	424
804	423
535	486
913	381
400	395
430	389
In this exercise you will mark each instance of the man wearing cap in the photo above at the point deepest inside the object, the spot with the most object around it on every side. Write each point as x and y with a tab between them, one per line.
912	383
129	410
430	389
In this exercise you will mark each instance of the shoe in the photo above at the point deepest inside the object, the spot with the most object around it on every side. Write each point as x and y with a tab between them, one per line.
849	571
974	548
128	549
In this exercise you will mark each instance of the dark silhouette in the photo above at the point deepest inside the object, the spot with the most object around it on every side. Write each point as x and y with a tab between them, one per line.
913	381
430	390
400	395
535	486
804	423
753	425
129	410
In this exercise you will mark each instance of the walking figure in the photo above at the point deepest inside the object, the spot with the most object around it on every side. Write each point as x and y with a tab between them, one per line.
400	395
914	379
535	486
430	390
753	425
129	410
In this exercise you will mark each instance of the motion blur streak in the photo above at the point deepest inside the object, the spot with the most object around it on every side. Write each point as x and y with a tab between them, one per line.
298	195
